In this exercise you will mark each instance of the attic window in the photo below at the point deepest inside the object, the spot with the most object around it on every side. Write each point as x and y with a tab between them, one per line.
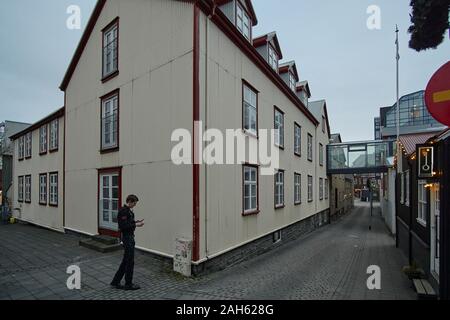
273	58
292	81
243	21
110	49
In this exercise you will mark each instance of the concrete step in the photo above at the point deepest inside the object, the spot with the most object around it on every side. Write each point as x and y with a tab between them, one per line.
99	246
105	239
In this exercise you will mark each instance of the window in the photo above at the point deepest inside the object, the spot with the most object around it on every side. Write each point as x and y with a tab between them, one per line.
277	236
310	188
297	140
310	147
422	203
110	116
292	81
111	49
53	189
273	58
407	188
320	154
43	189
279	127
28	188
250	195
21	148
321	188
402	188
243	22
109	198
20	186
28	144
297	188
279	189
327	190
250	105
54	131
43	139
323	124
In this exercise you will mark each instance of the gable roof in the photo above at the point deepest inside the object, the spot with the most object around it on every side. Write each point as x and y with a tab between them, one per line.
248	4
304	85
262	40
316	108
55	115
285	67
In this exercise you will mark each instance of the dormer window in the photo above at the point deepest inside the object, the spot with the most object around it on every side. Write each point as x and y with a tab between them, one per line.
292	81
243	22
273	58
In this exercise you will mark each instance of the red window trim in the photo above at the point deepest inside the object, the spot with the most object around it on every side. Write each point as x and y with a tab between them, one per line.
103	98
112	75
23	189
275	108
46	138
57	180
25	145
46	189
246	132
281	206
57	136
300	202
257	211
101	171
312	188
299	126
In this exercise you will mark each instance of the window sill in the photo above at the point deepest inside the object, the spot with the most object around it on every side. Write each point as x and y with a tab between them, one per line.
297	203
250	213
279	147
42	153
280	207
26	158
53	150
110	150
298	154
21	159
310	201
421	222
310	160
27	201
53	205
110	76
250	134
42	204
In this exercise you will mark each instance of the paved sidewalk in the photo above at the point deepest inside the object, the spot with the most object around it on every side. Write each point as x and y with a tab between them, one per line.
330	263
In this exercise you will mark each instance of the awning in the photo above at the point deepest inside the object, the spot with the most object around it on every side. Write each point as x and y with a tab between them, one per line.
408	142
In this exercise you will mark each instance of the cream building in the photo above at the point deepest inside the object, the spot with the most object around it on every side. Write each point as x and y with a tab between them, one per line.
38	172
145	68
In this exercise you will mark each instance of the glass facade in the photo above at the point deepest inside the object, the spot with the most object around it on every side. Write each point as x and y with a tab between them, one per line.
377	129
413	112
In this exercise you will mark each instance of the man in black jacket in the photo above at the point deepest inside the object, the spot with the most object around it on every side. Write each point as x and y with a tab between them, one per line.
127	225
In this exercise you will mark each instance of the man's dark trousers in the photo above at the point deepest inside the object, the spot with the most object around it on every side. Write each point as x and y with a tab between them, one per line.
127	265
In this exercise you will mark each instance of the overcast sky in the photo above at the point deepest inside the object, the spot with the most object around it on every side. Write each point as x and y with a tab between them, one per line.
347	64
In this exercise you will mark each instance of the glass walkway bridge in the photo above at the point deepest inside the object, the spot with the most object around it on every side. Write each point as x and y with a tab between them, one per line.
360	157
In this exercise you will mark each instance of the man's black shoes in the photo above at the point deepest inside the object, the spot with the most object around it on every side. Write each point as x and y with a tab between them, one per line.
131	287
116	286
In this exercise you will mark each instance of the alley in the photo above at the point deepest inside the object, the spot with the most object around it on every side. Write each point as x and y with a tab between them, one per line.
330	263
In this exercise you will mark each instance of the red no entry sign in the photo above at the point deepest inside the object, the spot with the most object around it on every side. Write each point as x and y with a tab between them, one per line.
437	95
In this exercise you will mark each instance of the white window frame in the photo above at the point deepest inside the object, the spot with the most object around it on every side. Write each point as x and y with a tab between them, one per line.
243	21
297	188
28	188
327	191
310	147
320	188
53	189
110	50
110	128
112	224
43	181
279	127
297	139
53	133
20	188
422	203
292	81
273	58
250	105
279	189
28	144
21	148
310	189
43	139
250	192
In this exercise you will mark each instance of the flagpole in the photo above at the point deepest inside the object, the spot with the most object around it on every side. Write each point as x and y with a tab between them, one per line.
398	98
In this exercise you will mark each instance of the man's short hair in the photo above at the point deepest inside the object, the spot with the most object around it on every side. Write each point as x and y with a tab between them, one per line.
132	198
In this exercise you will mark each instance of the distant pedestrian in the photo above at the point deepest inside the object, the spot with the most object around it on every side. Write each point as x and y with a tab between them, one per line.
127	226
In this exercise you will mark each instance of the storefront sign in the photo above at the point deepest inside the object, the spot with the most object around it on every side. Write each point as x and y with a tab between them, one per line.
425	162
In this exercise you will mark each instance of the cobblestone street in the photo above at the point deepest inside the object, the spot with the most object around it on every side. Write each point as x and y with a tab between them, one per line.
330	263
